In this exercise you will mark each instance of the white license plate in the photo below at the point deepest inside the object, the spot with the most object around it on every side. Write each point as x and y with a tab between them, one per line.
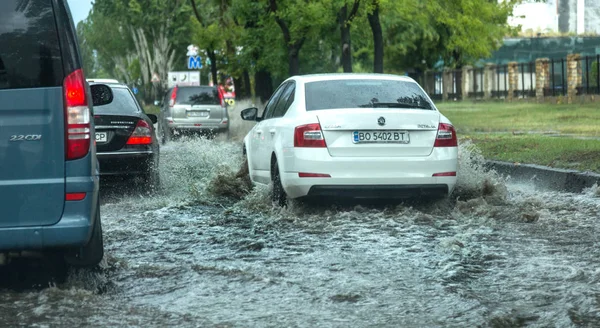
101	136
197	114
381	136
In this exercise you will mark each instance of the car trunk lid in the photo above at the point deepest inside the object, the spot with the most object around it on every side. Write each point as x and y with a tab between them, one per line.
369	132
113	131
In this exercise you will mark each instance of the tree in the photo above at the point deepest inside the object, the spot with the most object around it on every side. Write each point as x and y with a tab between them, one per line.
345	18
375	24
299	21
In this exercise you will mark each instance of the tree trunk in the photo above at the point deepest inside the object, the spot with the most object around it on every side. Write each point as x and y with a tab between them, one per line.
247	86
377	39
263	85
237	84
294	60
346	41
213	66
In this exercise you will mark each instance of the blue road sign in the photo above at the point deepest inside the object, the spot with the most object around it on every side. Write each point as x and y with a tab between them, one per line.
194	62
135	90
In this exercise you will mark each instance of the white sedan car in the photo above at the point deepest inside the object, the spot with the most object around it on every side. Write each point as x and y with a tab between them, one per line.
351	135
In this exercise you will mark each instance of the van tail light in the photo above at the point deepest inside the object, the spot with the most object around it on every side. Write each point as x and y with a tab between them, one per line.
74	196
142	135
77	116
446	136
173	97
309	135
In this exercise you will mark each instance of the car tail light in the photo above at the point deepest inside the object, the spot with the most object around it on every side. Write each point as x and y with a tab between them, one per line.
446	136
445	174
142	135
173	97
313	175
309	135
74	196
77	116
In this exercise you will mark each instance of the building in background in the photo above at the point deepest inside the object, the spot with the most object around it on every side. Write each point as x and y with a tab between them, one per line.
564	16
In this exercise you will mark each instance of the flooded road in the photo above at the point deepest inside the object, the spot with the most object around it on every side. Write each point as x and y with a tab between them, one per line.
502	255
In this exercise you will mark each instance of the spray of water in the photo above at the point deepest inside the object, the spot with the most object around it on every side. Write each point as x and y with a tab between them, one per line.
475	179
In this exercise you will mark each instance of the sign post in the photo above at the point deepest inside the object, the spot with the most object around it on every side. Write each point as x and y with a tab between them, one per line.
191	77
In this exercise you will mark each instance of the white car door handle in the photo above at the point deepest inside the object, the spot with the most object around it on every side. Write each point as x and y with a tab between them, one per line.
272	132
258	132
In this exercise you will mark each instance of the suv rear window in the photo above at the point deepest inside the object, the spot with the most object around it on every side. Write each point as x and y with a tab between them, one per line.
29	48
366	93
197	96
123	103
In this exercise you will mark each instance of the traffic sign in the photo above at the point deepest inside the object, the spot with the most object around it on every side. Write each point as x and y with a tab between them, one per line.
195	62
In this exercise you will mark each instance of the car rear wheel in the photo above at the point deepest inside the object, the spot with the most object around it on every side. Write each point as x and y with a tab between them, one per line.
91	254
278	195
152	180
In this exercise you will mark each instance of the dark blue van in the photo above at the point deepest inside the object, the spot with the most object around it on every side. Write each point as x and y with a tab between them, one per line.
48	165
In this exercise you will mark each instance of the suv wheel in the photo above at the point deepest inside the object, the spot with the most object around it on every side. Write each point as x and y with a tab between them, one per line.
91	254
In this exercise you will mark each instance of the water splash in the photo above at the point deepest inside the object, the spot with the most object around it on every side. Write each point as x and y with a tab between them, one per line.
474	178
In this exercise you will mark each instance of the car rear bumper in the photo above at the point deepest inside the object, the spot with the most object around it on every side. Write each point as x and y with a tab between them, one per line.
198	126
385	177
72	230
378	191
126	162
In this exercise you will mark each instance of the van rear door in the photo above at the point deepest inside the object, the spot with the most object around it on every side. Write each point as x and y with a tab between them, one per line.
32	131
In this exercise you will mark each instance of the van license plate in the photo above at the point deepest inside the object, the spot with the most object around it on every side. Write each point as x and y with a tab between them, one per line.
101	136
381	136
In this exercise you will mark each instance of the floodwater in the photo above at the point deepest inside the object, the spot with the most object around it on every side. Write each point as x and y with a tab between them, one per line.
203	253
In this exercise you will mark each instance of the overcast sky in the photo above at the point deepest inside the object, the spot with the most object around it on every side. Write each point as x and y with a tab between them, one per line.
80	9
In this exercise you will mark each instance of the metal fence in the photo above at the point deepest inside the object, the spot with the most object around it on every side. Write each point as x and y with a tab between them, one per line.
496	81
558	86
526	82
590	75
476	76
500	85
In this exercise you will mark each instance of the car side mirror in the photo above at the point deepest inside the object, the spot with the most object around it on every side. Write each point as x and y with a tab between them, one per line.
101	94
249	114
152	118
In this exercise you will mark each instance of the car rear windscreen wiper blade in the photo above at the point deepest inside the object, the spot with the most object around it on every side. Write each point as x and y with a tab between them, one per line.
391	105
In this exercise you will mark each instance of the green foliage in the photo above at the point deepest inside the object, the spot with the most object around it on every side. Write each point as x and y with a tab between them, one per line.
249	35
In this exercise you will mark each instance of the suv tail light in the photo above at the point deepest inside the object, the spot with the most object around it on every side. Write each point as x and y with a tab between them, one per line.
446	136
221	97
309	135
173	97
77	116
142	135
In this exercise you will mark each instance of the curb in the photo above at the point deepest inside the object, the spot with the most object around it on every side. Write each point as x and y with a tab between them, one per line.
546	177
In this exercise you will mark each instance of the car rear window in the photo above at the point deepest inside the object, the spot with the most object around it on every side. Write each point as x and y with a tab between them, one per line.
29	49
364	93
197	96
123	103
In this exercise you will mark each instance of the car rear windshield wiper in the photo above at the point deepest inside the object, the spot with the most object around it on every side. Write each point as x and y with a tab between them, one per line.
392	105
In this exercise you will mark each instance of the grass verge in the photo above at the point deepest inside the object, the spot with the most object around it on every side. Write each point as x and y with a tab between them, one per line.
531	133
558	152
576	119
